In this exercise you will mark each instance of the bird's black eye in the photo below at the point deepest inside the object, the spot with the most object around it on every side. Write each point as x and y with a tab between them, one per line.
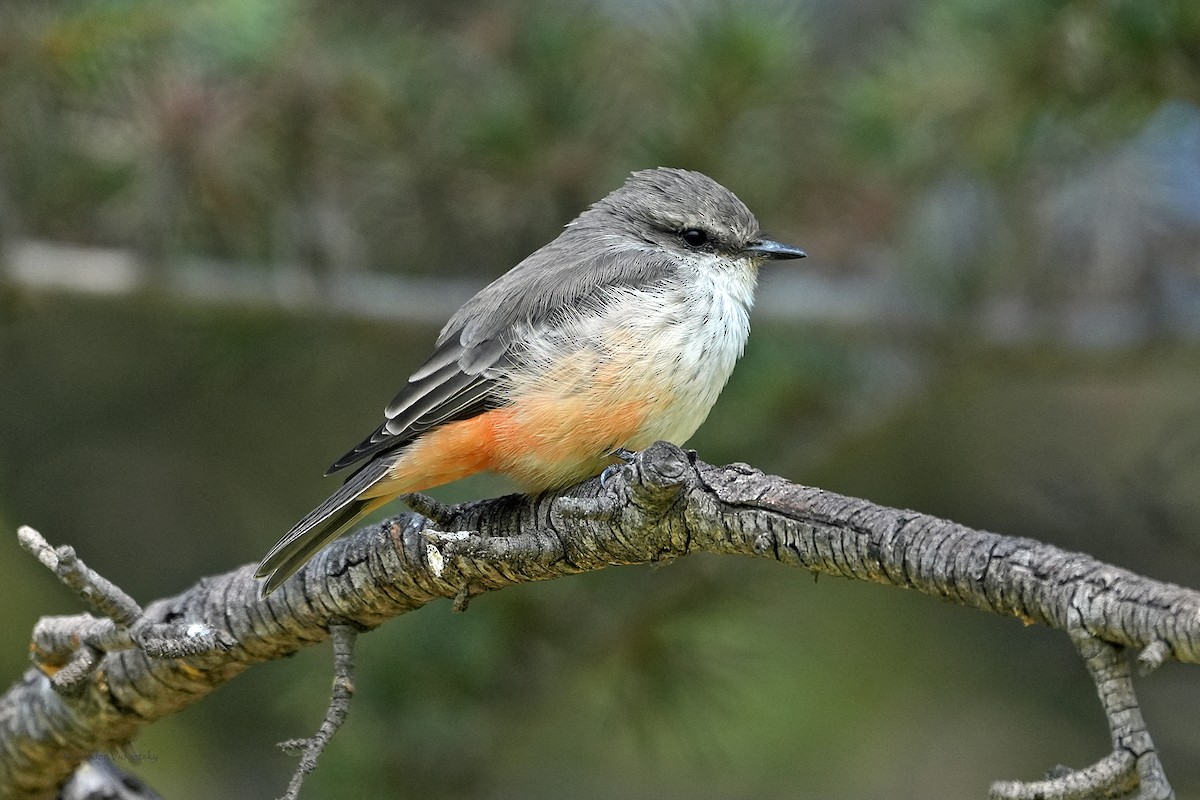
694	237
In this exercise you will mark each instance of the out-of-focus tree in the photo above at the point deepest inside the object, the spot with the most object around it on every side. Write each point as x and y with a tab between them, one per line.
984	110
287	132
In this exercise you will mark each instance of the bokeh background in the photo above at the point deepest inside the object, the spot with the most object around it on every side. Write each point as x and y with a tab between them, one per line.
230	227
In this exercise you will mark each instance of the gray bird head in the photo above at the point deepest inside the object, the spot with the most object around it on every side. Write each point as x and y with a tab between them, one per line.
636	236
682	211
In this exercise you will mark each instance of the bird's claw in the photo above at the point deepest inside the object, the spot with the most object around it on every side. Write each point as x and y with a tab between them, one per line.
626	456
609	472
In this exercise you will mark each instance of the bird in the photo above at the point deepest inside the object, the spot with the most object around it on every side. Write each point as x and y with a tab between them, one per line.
620	332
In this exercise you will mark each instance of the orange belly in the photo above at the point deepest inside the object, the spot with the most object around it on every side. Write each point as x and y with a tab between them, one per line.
542	444
559	425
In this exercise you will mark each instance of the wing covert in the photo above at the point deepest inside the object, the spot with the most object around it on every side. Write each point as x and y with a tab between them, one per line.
456	382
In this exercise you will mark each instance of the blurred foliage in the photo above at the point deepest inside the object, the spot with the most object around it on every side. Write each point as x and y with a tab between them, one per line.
986	83
976	155
448	138
278	130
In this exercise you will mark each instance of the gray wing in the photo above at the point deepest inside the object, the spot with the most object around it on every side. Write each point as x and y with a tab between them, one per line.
453	384
571	272
482	340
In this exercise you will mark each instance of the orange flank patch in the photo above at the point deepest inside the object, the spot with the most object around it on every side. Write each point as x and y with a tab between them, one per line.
444	454
546	442
558	428
541	444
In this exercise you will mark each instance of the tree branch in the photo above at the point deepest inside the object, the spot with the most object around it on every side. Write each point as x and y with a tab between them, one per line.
664	505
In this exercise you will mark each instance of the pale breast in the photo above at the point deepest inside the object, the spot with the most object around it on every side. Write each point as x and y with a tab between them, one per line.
695	351
645	365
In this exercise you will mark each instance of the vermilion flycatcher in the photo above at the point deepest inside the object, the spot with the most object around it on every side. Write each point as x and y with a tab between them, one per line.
619	333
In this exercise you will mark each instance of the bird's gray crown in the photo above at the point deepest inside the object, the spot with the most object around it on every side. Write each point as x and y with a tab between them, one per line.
669	201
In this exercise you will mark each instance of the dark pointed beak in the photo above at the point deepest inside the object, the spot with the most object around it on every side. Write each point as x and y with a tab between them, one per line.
766	248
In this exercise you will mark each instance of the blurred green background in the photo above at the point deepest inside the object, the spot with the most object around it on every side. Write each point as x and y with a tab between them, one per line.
230	227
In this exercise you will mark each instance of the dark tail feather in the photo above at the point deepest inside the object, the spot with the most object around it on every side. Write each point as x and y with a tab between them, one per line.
321	525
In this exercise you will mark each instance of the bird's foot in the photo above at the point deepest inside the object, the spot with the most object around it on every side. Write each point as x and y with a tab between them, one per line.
626	456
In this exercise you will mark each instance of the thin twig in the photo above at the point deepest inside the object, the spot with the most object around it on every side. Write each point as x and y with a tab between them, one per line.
99	593
310	749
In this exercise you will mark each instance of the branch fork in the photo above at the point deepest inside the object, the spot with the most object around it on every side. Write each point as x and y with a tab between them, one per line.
68	649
